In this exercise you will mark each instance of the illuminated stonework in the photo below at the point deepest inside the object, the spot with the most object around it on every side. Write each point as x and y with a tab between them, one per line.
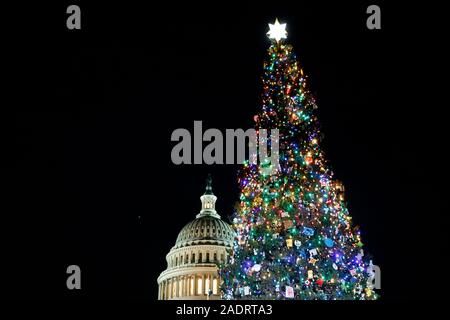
203	243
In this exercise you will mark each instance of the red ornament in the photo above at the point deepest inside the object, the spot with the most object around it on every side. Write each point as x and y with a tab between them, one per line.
319	281
288	89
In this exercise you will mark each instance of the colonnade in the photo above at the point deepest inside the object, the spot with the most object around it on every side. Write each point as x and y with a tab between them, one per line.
189	286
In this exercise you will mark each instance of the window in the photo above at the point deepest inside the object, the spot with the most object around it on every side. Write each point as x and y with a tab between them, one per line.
199	257
207	257
176	261
215	257
193	258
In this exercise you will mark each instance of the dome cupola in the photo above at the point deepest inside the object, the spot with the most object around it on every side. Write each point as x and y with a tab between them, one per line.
207	228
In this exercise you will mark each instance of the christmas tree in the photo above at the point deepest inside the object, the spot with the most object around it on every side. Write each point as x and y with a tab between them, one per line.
295	238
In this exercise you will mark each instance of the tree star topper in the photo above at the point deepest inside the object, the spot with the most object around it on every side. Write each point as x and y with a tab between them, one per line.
277	31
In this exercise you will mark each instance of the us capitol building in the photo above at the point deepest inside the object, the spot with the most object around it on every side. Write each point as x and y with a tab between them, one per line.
203	243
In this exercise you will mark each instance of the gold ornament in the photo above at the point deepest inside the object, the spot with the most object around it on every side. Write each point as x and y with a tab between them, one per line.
289	243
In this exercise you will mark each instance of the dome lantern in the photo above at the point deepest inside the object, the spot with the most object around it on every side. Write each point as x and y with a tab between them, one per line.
208	201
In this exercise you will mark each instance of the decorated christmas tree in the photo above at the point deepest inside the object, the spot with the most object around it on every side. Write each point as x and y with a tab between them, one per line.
295	238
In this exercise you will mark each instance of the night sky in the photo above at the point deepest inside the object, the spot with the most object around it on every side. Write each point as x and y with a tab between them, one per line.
92	183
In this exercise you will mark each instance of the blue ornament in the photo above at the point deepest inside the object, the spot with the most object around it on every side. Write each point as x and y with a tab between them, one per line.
328	242
308	231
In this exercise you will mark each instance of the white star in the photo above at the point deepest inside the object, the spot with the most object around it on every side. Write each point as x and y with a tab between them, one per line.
277	31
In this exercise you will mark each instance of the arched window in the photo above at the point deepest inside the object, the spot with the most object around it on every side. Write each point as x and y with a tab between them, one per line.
193	258
199	257
207	256
215	257
176	261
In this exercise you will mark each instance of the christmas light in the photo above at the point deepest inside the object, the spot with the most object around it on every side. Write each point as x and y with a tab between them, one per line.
294	225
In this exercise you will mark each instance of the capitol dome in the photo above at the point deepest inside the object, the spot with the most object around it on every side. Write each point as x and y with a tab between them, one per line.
205	230
201	245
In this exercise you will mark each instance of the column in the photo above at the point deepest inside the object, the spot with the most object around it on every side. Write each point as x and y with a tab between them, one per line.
183	286
203	284
172	286
216	278
177	283
189	286
195	284
211	284
180	286
159	291
166	290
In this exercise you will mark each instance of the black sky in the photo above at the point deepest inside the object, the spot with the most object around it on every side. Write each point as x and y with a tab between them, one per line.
92	181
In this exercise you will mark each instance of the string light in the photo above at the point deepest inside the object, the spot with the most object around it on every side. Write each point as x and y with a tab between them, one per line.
293	226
